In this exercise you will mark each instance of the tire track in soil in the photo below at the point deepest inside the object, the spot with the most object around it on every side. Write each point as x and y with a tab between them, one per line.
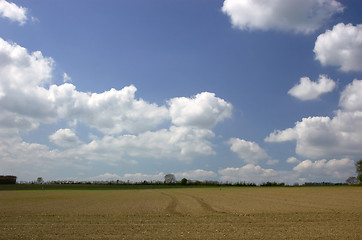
207	207
171	207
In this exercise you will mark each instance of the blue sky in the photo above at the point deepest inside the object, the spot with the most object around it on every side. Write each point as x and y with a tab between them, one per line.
234	90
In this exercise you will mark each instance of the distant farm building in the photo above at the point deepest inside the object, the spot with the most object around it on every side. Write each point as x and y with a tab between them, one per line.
7	179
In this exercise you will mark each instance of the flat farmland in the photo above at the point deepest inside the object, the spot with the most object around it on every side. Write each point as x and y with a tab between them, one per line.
183	213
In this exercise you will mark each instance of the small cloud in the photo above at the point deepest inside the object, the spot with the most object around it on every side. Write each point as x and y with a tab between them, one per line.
250	152
299	16
64	138
13	12
308	90
292	160
66	78
202	111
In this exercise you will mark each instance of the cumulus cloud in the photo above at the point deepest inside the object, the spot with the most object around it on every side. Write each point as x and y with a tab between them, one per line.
202	111
128	127
64	138
341	47
338	136
26	100
23	98
13	12
287	15
248	173
112	112
308	90
338	169
325	137
292	160
250	152
175	143
351	97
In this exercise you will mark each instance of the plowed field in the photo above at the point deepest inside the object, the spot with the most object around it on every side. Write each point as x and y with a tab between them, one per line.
188	213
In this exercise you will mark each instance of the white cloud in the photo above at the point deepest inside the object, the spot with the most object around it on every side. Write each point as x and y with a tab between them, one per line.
129	124
287	15
248	173
325	137
197	174
351	97
174	143
337	169
341	47
202	111
106	177
23	99
66	78
13	12
292	160
112	112
65	138
250	152
308	90
320	137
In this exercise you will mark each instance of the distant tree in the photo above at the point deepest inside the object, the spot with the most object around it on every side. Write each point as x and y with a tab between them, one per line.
170	178
40	180
183	181
359	170
352	180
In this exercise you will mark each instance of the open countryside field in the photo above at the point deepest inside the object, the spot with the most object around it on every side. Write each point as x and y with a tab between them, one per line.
179	213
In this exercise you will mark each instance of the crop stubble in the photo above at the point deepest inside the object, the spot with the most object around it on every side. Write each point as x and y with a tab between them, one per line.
193	213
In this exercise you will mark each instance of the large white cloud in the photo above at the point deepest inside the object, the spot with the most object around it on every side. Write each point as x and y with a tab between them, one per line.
341	47
26	100
250	152
287	15
175	143
23	98
13	12
112	112
202	111
325	137
308	90
128	127
320	137
337	169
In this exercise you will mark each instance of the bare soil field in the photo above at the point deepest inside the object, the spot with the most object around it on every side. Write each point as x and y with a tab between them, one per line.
183	213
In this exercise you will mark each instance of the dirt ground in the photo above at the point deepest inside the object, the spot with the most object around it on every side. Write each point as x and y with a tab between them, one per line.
190	213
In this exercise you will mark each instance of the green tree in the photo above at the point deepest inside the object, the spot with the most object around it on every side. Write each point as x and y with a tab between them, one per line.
183	181
359	170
